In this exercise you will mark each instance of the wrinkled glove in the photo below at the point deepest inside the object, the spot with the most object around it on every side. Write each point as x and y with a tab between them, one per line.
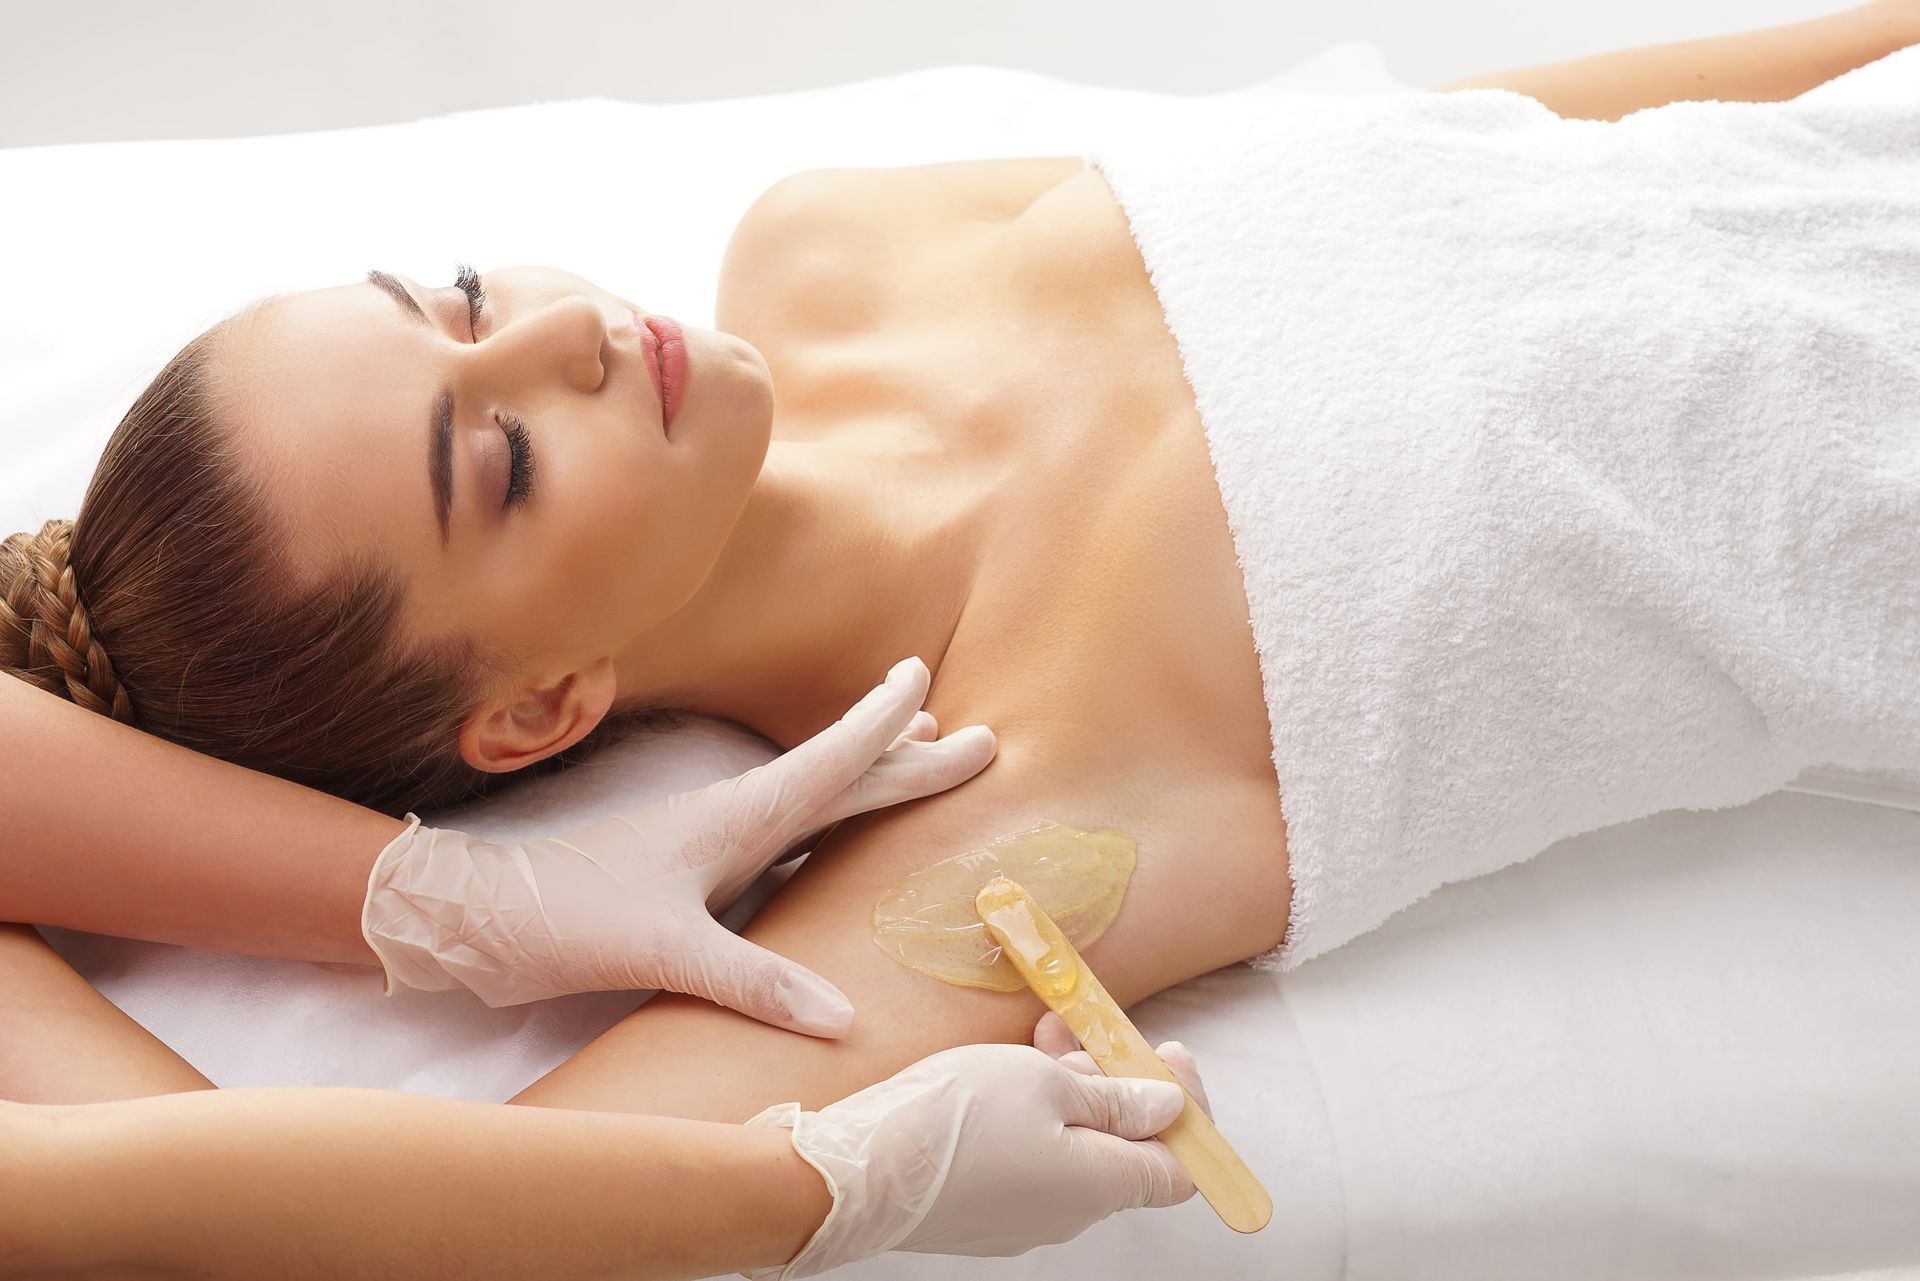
983	1150
629	902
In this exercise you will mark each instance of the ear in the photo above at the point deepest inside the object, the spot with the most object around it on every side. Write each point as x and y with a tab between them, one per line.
533	720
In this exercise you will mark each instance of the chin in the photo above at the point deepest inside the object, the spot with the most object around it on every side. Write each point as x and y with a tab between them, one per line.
750	397
751	367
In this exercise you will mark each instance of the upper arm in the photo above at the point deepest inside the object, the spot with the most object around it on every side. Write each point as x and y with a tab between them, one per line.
680	1056
684	1057
116	831
63	1042
1768	65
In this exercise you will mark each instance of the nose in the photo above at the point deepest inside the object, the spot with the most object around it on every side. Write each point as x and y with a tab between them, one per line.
564	339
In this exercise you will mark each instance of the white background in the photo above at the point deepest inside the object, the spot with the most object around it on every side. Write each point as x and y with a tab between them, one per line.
118	69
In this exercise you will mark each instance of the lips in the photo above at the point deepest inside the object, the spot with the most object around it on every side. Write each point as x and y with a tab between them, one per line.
650	353
666	351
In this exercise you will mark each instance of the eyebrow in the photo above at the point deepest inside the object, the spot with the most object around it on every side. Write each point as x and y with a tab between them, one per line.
440	459
439	422
398	292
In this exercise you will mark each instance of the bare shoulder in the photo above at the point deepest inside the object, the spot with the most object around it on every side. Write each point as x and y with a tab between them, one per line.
993	190
852	232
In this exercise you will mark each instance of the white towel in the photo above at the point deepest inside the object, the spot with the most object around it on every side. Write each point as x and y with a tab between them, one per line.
1573	466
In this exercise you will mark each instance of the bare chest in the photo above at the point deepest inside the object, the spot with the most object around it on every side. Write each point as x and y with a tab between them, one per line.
1108	641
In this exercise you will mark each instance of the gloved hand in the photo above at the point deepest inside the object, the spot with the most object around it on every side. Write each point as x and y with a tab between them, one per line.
628	902
983	1150
1052	1037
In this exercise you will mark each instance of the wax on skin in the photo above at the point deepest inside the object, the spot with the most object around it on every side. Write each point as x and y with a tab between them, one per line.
928	922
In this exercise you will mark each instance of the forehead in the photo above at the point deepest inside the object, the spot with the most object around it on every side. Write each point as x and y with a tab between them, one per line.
334	389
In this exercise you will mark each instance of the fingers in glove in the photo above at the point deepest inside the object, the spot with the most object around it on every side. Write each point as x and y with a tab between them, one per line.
1137	1175
926	767
1180	1062
1080	1061
1177	1057
913	770
801	844
790	791
1129	1107
718	965
921	729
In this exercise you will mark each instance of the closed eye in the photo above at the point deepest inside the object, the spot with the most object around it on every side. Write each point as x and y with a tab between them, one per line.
467	281
520	460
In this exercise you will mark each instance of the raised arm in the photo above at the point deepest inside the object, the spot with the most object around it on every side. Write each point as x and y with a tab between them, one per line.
114	831
1769	65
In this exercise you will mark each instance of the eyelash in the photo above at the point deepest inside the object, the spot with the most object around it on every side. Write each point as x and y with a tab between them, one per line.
519	442
520	452
467	281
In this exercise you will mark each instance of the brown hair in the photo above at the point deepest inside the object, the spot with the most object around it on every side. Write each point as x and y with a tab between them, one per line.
178	571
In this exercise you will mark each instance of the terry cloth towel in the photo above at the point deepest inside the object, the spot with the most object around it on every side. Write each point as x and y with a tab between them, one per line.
1573	467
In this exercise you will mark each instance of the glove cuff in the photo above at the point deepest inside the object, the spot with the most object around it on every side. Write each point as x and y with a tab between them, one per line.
865	1220
391	931
787	1116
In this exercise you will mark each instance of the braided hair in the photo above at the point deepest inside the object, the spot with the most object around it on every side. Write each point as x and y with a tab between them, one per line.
172	603
45	636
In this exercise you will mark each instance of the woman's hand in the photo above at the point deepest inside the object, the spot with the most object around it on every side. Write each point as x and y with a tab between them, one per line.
985	1150
628	902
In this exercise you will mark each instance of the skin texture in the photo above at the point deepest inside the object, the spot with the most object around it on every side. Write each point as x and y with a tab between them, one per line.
413	1189
63	1042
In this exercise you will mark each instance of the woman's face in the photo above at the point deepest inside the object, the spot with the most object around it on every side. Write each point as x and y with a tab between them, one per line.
575	518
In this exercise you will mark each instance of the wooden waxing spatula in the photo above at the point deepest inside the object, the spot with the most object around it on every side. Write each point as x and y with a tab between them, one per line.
1029	939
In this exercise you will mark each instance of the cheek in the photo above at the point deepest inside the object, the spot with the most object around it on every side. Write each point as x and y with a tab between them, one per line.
635	547
641	528
695	517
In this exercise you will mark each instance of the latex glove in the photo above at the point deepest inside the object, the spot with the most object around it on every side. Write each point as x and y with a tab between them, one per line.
629	901
981	1150
1052	1037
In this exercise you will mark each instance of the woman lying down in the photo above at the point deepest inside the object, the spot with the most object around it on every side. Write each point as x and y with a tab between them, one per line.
1332	499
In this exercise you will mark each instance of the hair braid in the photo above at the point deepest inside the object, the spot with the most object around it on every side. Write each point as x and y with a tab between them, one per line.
46	637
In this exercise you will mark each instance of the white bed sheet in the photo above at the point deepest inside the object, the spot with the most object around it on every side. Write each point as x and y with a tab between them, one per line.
1684	1047
1679	1048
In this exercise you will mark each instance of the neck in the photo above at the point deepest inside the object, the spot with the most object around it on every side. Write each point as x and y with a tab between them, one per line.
850	556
